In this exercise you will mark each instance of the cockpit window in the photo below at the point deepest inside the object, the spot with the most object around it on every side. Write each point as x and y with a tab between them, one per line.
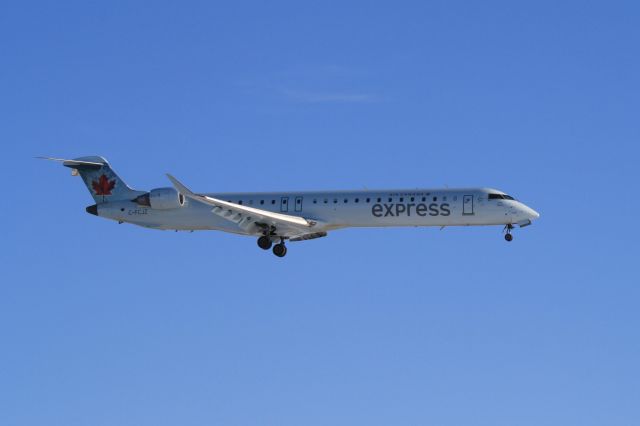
500	197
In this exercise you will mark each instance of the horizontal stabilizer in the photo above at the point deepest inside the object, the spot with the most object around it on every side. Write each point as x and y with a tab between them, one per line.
74	163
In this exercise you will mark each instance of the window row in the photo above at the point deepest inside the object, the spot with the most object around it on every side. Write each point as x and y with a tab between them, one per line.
367	200
380	200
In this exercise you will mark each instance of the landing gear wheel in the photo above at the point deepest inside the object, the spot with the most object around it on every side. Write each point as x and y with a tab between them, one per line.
280	250
264	242
507	232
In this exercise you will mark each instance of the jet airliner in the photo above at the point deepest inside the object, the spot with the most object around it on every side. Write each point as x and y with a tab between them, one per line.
277	217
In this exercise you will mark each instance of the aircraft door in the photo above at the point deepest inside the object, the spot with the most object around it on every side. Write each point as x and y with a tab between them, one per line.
467	204
298	204
284	204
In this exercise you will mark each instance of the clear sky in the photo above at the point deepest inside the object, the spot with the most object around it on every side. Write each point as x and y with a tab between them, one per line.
106	324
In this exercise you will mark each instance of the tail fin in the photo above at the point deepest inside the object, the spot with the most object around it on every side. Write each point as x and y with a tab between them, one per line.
103	183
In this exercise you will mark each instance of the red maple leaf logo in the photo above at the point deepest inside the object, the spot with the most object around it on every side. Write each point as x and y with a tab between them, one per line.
103	186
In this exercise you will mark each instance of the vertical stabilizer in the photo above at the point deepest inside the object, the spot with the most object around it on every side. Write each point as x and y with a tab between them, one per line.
103	183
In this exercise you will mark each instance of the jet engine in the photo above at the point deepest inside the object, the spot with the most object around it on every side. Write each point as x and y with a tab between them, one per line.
161	199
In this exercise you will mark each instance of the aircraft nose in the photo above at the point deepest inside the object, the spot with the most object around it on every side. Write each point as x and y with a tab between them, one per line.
532	213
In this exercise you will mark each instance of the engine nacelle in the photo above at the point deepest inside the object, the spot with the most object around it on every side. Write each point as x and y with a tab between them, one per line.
161	199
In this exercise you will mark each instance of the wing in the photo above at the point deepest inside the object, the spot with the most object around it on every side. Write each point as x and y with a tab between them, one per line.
250	219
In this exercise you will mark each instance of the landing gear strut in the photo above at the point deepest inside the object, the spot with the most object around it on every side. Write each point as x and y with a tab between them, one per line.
264	242
507	232
280	249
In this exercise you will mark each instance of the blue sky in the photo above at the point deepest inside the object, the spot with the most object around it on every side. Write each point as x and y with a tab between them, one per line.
104	324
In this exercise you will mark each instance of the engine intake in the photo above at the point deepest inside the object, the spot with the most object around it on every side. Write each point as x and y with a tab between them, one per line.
161	199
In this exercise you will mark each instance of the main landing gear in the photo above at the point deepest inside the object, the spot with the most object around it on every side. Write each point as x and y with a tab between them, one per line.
279	249
264	242
507	232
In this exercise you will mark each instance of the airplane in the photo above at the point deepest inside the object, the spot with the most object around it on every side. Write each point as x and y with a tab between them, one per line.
277	217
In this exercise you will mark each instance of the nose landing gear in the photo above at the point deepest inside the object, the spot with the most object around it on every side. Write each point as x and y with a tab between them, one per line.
507	232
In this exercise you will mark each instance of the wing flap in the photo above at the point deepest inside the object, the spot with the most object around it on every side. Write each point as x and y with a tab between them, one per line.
312	236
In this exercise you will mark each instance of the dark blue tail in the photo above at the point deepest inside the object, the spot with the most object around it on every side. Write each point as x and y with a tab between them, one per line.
103	183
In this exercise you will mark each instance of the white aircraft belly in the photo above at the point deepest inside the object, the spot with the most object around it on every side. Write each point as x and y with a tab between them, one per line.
192	216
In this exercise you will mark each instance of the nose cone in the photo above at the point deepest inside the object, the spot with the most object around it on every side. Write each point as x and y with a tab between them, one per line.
531	213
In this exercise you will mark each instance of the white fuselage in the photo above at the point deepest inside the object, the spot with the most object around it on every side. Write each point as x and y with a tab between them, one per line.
340	209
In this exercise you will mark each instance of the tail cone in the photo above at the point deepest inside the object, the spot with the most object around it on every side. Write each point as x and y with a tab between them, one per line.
93	209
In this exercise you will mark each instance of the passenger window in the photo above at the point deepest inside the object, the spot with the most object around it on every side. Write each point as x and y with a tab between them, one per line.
424	199
435	198
413	199
326	201
335	201
240	202
357	200
298	200
368	200
346	200
273	201
390	199
315	201
379	199
401	199
261	201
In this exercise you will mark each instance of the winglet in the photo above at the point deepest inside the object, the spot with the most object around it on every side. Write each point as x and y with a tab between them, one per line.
180	187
